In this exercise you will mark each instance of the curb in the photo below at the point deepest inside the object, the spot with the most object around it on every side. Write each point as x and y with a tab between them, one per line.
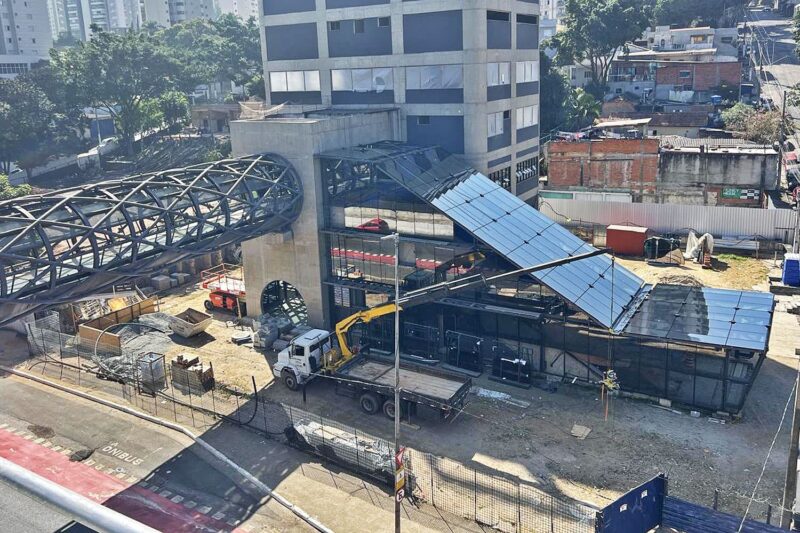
300	513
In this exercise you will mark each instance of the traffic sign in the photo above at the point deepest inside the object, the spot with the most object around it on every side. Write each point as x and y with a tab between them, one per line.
399	495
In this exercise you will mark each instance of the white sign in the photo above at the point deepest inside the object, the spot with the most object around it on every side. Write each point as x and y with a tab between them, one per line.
400	495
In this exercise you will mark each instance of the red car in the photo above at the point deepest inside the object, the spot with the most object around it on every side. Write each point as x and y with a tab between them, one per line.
377	225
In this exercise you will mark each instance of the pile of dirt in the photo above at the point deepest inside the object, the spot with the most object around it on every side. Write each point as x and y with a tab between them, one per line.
681	279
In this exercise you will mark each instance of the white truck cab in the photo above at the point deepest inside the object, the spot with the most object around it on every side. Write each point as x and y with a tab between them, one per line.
298	362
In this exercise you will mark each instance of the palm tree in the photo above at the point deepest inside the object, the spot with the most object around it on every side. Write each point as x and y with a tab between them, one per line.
584	108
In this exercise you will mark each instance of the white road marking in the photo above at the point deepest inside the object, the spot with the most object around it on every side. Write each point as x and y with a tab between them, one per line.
218	516
190	504
204	509
39	440
165	493
177	498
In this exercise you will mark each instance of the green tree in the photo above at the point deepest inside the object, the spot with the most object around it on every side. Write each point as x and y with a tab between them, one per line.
68	115
9	192
554	94
174	107
583	109
737	117
26	124
596	31
119	72
686	13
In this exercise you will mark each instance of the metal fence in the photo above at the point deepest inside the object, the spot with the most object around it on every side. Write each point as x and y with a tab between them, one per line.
477	495
769	224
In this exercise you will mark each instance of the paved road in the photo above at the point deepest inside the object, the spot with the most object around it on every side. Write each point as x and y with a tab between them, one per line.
773	43
150	473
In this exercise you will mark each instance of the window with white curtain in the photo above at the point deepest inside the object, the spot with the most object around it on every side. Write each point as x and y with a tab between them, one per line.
495	124
294	81
527	71
498	74
435	77
527	116
362	80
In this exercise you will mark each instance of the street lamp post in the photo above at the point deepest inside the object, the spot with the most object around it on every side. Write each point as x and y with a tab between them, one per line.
395	238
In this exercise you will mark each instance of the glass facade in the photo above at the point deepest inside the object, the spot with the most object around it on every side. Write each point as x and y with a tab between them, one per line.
520	329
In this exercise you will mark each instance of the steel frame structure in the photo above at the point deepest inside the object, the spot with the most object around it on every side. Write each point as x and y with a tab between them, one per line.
68	244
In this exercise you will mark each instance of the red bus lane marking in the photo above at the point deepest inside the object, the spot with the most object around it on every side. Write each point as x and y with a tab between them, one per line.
131	500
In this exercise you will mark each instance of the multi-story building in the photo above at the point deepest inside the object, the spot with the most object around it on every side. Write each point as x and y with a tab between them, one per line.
724	41
156	11
552	9
464	76
25	35
241	8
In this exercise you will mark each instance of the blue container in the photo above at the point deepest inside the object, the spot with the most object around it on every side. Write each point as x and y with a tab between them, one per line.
791	270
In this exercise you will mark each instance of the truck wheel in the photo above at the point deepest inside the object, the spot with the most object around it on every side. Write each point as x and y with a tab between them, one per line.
208	305
388	409
369	403
289	379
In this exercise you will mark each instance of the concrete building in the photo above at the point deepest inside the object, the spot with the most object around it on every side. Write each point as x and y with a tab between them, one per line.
724	40
243	9
360	182
24	30
552	9
464	76
673	170
155	11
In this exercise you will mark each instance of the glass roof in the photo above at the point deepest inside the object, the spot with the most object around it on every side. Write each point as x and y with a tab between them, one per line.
718	317
505	223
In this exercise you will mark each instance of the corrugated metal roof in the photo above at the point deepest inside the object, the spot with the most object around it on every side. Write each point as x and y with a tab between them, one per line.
685	142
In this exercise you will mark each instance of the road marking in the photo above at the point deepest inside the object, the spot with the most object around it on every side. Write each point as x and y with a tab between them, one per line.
113	450
177	498
66	451
165	493
56	448
20	432
218	516
204	509
28	437
3	426
47	444
98	467
143	484
232	522
121	475
89	462
39	440
131	479
190	504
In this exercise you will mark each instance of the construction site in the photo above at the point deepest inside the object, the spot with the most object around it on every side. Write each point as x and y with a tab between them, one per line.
525	350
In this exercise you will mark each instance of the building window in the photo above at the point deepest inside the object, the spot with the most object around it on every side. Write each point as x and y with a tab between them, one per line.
334	25
587	75
527	116
495	123
502	177
527	71
358	26
685	74
294	81
13	68
363	80
498	15
527	169
498	74
435	77
527	19
384	22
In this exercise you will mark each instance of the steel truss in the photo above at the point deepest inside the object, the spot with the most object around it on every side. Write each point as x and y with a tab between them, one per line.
69	244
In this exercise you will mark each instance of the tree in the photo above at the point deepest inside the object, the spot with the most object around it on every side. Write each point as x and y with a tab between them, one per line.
68	117
8	191
118	72
226	48
596	31
554	94
763	127
25	123
174	107
687	13
583	109
737	117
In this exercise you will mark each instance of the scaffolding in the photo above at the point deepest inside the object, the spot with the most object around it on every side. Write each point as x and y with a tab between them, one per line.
64	245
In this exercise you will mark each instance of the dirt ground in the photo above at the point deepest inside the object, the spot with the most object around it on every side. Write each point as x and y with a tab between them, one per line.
638	440
728	271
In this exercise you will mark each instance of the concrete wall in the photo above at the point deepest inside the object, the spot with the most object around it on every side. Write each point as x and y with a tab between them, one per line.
297	257
653	175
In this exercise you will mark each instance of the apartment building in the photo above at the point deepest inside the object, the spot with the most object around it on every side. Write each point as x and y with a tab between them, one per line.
465	76
25	35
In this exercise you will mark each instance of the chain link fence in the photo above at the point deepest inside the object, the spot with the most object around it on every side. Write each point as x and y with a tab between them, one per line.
480	496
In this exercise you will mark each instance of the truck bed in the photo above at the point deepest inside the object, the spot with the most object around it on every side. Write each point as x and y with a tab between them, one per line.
423	381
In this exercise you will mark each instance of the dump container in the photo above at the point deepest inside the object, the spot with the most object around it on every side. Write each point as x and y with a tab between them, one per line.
626	240
190	322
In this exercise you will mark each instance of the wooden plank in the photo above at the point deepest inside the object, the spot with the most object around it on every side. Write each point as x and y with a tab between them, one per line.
410	380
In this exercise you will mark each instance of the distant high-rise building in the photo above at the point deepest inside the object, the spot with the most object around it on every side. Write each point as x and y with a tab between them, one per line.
243	9
155	11
25	35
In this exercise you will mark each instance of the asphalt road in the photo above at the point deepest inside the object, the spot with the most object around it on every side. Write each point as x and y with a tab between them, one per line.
121	461
774	46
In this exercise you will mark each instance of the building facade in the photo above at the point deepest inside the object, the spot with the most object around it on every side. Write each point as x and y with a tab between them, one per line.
25	28
464	76
724	40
